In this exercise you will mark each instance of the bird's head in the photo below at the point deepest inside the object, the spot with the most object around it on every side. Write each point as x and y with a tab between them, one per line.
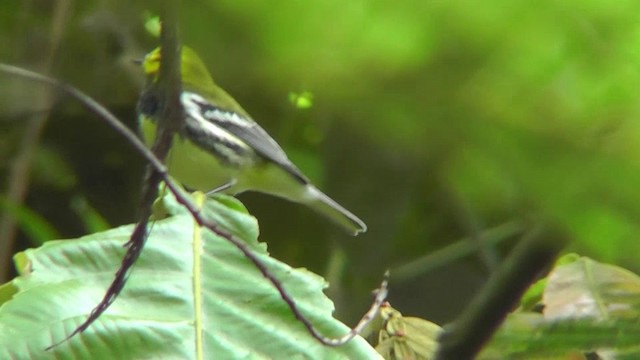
195	78
192	69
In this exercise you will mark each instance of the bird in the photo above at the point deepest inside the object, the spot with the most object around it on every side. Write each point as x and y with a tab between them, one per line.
221	149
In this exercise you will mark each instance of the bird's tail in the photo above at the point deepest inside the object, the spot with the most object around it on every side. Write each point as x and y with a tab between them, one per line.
326	206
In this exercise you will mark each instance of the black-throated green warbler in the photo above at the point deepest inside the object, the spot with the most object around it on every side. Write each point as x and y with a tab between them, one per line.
221	148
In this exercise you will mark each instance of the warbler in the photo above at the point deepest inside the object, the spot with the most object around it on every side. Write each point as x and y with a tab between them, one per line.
222	149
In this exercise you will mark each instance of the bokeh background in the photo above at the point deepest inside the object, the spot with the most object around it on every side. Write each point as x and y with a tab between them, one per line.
455	125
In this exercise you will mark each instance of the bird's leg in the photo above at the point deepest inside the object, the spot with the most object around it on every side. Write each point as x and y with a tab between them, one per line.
222	187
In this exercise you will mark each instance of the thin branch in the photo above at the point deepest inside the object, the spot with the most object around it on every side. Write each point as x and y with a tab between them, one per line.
474	327
93	107
455	251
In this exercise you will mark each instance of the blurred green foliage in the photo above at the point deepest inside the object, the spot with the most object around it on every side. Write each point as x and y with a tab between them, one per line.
432	121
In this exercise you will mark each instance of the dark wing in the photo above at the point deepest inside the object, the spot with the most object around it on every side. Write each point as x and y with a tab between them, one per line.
245	129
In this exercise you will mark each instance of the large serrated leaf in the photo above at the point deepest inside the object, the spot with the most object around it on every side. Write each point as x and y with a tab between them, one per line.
191	295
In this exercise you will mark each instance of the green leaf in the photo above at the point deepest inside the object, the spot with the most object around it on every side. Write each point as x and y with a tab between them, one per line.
191	295
589	289
533	296
406	337
530	336
588	306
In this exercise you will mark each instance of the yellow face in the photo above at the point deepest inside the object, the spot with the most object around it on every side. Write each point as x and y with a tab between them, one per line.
151	62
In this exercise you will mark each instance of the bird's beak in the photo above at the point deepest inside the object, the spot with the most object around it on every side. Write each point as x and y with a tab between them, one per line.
137	61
